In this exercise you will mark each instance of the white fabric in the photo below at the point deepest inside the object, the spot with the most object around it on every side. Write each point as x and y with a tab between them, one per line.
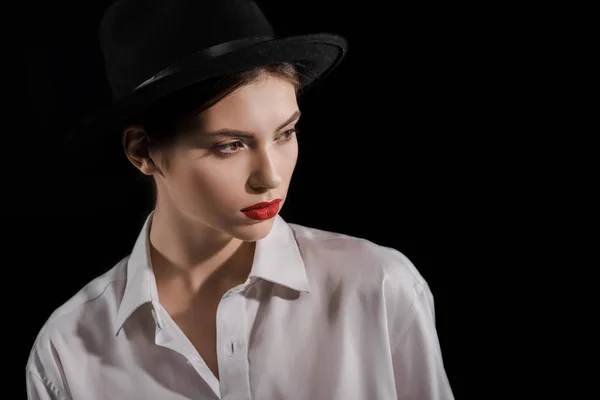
322	316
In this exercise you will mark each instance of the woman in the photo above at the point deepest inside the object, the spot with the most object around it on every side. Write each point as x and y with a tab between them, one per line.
220	297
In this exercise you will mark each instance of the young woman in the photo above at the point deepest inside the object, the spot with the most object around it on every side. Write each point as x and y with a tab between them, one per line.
220	297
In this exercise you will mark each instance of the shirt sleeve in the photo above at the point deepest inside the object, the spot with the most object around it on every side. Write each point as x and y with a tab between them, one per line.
416	355
40	389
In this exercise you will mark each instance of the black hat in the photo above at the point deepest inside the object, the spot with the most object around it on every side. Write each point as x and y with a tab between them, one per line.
153	49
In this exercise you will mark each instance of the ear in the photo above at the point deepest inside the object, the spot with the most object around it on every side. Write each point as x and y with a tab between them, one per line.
136	145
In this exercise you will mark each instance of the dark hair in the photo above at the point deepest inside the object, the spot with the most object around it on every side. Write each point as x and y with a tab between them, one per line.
174	115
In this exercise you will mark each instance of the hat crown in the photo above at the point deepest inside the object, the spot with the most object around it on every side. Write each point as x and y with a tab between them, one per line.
139	38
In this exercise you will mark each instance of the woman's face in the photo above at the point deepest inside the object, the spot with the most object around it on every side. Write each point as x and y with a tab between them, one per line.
243	152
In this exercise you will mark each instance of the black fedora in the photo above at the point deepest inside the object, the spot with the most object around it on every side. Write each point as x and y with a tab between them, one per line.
152	49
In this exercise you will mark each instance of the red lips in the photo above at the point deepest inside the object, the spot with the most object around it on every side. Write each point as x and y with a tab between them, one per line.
263	204
262	211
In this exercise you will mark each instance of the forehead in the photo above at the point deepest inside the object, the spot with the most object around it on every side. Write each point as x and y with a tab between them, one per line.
257	106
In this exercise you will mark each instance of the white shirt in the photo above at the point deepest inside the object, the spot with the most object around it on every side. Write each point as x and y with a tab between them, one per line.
322	316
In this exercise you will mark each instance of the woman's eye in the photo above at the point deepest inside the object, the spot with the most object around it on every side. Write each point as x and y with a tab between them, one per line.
227	149
289	133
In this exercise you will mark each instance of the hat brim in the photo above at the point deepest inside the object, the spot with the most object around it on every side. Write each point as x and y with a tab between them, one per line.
318	53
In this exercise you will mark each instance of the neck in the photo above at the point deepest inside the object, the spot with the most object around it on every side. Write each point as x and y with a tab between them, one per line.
188	255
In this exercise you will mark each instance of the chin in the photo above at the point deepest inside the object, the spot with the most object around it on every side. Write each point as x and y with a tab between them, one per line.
251	232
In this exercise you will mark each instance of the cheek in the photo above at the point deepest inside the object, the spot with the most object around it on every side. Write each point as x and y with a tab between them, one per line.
222	185
214	186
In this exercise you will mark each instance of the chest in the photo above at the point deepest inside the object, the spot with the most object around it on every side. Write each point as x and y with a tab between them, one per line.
266	347
200	328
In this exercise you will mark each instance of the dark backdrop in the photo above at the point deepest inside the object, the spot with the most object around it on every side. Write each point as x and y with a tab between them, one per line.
388	129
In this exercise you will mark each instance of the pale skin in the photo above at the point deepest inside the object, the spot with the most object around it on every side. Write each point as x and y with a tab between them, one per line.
201	245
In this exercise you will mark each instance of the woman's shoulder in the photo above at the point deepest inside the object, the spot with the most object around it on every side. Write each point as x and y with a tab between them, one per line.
351	257
93	300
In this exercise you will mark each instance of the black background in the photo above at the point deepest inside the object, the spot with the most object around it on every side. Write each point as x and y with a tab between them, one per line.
407	124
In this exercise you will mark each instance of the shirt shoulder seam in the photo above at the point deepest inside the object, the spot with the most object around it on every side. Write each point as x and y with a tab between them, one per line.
47	384
52	319
420	289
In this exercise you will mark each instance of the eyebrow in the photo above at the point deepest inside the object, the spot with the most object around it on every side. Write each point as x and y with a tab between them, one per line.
236	133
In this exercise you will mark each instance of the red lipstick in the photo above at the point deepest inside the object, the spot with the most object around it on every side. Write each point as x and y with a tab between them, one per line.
262	211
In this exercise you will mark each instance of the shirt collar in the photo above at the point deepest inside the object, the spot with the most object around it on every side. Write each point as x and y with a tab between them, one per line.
277	259
140	286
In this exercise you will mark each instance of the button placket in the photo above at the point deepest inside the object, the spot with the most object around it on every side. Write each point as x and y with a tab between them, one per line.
231	331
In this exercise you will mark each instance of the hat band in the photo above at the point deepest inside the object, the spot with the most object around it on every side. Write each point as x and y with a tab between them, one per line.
205	55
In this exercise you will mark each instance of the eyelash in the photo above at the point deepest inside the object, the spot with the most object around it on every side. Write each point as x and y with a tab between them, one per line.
217	149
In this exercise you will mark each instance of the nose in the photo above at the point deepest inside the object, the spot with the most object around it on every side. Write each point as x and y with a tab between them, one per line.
265	175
